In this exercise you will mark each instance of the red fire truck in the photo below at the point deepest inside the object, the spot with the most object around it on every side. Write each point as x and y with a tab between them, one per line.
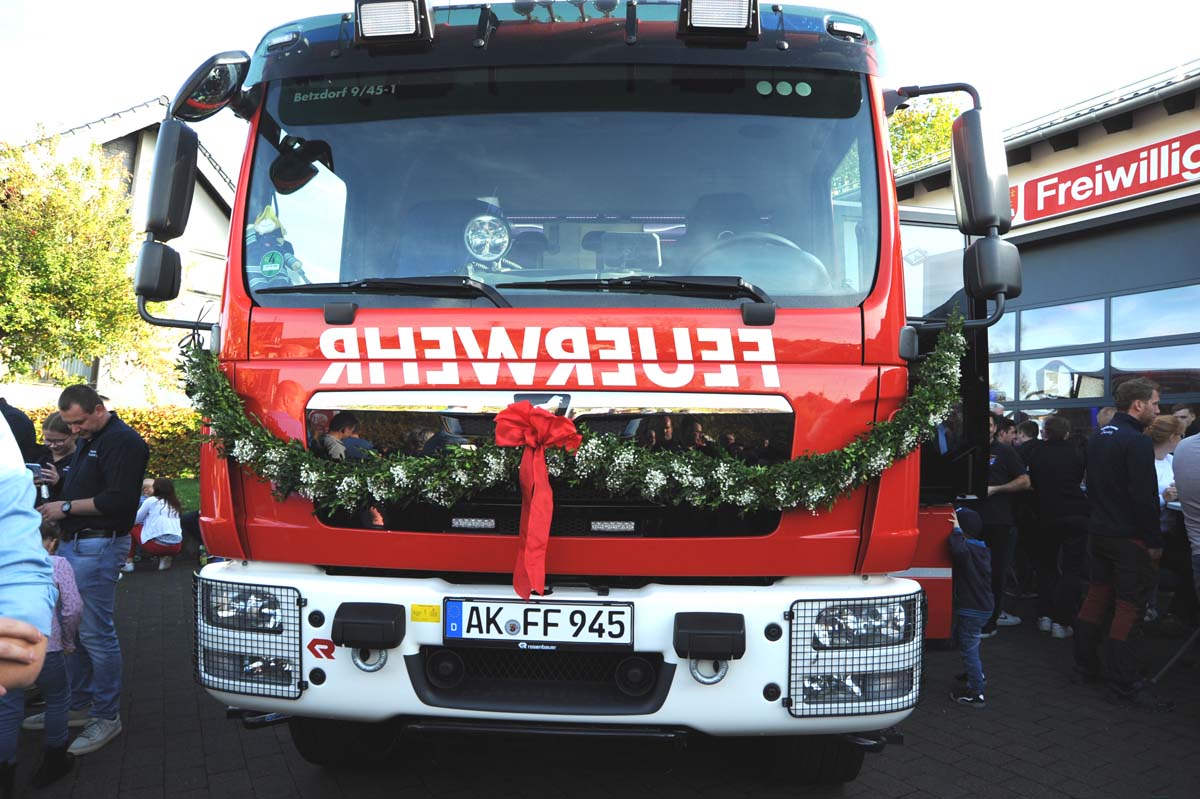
672	222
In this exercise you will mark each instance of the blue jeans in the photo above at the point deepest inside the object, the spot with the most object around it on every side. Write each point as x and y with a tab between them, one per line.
969	628
57	692
96	665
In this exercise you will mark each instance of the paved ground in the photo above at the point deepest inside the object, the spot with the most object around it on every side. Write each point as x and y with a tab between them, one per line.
1039	736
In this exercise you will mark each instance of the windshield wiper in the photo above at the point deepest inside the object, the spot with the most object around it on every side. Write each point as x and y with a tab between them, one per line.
429	286
728	287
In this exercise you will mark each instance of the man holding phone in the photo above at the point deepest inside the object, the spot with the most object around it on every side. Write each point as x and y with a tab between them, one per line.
96	509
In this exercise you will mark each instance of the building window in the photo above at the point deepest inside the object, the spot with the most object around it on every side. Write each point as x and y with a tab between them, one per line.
1063	325
1170	312
1002	336
1062	377
1001	382
1175	369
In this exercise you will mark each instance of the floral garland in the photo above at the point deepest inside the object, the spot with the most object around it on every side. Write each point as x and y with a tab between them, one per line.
603	463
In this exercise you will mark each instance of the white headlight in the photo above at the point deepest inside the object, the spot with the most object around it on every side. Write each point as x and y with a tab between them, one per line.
845	626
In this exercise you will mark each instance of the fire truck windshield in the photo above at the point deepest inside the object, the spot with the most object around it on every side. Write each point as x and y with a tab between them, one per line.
534	175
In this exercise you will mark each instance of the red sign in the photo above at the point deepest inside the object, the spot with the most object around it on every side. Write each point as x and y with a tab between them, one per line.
321	648
1172	162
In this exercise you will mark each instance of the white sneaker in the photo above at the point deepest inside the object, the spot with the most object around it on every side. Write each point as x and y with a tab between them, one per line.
164	562
96	734
1045	624
128	567
1008	620
75	718
1060	631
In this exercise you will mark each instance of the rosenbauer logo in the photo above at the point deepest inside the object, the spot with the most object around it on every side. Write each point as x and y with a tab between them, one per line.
1172	162
556	356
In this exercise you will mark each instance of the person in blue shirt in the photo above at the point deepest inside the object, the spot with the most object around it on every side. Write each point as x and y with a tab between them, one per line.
27	592
973	600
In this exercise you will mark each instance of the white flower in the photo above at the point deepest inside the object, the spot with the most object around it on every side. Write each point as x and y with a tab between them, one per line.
655	482
401	476
245	451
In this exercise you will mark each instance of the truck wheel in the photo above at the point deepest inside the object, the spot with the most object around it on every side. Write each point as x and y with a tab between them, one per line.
334	744
817	760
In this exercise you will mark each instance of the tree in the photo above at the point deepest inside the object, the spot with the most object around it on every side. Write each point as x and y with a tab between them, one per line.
65	246
920	134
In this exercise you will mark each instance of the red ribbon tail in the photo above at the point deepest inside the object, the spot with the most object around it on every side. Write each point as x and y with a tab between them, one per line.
537	509
522	580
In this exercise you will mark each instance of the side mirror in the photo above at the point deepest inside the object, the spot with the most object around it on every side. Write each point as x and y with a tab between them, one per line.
979	175
211	87
992	267
158	274
157	278
173	180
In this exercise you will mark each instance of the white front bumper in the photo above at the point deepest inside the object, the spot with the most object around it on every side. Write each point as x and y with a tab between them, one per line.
735	706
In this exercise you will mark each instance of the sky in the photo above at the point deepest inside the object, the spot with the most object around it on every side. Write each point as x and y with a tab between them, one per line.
74	61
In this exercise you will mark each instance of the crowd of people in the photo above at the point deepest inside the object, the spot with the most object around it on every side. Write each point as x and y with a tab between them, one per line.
1097	535
58	592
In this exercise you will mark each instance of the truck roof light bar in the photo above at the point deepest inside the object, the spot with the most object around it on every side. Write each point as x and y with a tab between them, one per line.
720	19
392	23
846	30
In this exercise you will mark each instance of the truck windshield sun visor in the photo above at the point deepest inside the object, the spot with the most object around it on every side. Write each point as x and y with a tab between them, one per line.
667	177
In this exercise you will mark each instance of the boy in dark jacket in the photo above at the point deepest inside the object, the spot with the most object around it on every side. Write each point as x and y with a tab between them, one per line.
973	599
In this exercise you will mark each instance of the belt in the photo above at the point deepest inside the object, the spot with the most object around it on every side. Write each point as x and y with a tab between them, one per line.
90	534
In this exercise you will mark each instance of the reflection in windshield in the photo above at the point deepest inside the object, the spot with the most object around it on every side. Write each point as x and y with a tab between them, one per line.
515	177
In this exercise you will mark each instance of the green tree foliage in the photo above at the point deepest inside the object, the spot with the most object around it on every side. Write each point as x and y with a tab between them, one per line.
920	134
65	248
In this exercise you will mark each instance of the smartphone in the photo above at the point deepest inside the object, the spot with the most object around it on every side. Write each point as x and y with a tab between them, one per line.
36	468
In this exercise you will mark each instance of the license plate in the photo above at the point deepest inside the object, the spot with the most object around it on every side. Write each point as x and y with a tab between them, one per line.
545	626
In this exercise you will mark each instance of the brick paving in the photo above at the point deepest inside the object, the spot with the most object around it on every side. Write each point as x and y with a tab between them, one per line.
1040	736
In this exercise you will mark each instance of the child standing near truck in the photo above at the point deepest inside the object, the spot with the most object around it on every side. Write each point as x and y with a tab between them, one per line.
973	600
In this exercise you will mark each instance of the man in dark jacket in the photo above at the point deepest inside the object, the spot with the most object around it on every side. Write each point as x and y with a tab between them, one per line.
1007	475
98	504
1124	540
1057	470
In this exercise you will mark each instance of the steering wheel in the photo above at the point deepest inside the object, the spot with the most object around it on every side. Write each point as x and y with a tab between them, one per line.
816	275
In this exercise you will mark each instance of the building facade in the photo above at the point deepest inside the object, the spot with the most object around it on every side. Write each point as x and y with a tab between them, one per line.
1106	213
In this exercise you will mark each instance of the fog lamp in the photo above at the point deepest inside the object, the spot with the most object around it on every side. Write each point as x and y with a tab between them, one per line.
249	667
862	625
394	21
704	18
862	687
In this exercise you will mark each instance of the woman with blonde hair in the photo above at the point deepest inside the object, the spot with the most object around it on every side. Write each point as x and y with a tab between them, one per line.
1166	432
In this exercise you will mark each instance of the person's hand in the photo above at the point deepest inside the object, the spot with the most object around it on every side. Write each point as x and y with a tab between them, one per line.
52	511
991	490
18	640
953	518
48	477
1155	554
1170	493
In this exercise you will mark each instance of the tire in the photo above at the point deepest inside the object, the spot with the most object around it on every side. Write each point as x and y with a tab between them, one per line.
337	744
817	760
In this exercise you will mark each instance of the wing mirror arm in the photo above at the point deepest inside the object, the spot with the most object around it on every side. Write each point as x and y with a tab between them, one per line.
924	323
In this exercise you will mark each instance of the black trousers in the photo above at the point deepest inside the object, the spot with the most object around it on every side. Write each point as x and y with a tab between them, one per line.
1002	540
1060	551
1121	576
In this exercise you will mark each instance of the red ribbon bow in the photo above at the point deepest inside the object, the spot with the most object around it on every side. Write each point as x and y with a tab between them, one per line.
523	425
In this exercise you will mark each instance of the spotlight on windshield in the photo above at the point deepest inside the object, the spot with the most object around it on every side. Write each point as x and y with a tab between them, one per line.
393	22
